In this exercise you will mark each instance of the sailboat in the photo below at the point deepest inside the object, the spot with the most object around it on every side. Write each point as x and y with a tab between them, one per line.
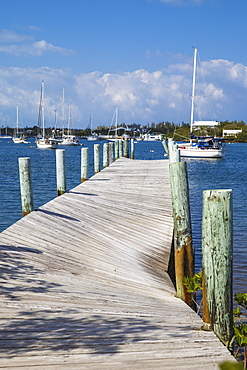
69	140
18	138
93	136
202	146
44	142
116	136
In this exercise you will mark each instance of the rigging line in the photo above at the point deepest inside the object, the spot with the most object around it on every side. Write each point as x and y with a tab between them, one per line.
113	117
208	100
178	115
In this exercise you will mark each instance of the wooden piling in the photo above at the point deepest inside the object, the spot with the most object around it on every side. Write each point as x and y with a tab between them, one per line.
116	149
126	149
60	171
26	185
217	249
183	251
84	164
174	152
165	147
120	148
132	148
96	158
105	155
110	153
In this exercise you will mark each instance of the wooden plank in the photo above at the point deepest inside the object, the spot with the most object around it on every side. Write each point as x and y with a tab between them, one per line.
84	281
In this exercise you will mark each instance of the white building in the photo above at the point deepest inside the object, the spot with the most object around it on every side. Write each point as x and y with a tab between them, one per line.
210	124
231	133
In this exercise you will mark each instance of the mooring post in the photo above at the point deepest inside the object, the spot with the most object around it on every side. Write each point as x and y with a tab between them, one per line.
165	147
183	250
110	153
120	148
84	164
105	155
60	171
217	252
132	148
174	152
96	158
126	151
116	147
26	185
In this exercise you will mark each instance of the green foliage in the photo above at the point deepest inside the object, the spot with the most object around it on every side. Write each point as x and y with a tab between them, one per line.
241	137
241	299
237	312
182	133
240	331
228	365
193	283
240	327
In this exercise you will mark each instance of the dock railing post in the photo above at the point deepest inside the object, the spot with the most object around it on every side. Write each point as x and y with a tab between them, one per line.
111	153
217	254
105	155
174	151
26	185
84	164
165	147
183	250
96	158
132	148
126	148
60	171
116	148
120	148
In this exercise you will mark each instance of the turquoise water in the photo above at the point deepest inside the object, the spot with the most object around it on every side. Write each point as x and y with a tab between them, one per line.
204	174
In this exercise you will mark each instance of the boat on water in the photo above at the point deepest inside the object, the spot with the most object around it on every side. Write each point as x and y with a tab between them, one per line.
43	141
18	137
151	136
200	146
116	136
93	136
68	139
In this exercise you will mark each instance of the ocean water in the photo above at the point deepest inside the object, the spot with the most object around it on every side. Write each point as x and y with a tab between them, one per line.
204	174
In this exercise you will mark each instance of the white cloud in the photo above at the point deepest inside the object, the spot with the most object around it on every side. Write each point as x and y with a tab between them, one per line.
8	36
37	48
19	44
141	96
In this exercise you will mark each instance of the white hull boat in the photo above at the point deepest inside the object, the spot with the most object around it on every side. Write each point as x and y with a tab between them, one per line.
18	138
44	142
196	152
201	147
69	140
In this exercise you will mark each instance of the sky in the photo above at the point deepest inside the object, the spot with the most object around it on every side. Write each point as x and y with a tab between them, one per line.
136	55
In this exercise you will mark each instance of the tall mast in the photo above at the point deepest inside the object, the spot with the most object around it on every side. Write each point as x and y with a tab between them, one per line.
43	108
116	121
63	111
17	121
69	121
193	90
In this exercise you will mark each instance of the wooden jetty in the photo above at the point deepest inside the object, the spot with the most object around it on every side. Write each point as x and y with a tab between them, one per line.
84	282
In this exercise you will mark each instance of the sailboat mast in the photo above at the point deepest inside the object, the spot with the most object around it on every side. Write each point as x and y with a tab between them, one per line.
43	108
116	121
193	90
17	121
63	111
91	122
69	121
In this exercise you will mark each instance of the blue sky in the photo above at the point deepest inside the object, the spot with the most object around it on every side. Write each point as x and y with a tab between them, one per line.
134	54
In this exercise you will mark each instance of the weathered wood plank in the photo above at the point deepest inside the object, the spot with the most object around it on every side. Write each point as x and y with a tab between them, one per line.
84	282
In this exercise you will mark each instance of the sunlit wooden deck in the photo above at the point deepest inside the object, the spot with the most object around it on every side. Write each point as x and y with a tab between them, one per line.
84	281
